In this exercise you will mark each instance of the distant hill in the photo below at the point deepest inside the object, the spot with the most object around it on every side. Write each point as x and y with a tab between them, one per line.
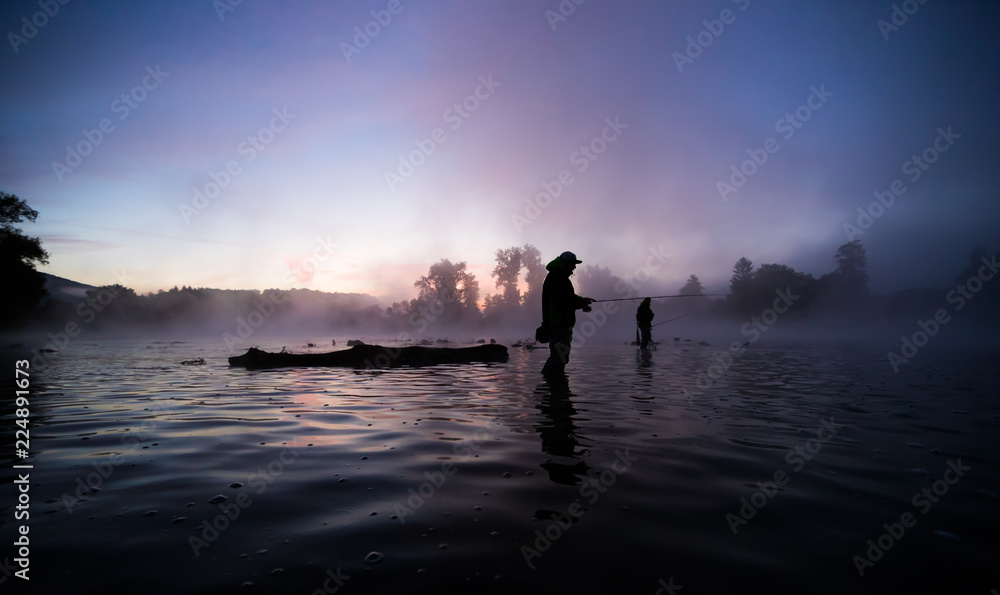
64	290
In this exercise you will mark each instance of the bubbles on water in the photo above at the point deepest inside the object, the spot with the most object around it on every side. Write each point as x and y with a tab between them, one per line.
218	498
374	557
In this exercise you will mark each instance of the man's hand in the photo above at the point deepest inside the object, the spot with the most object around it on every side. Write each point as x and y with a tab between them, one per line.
586	307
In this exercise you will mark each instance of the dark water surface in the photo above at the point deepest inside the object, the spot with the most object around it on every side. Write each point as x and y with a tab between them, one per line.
615	482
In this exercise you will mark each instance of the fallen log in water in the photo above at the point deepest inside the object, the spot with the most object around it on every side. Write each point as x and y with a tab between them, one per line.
373	356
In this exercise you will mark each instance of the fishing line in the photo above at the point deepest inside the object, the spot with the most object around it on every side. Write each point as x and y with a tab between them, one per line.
656	297
678	318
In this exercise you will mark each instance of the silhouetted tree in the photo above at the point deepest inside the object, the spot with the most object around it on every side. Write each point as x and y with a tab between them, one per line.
742	273
534	276
506	272
852	265
739	300
978	295
976	261
24	286
692	287
450	289
599	281
770	281
513	305
845	290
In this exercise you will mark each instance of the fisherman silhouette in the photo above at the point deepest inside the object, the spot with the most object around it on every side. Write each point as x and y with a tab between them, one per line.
644	320
559	306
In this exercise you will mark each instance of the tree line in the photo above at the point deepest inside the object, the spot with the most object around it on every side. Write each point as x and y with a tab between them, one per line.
448	296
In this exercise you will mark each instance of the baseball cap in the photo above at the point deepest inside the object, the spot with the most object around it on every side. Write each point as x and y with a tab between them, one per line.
569	257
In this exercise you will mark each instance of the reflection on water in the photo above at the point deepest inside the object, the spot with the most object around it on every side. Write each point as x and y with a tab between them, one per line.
560	435
202	479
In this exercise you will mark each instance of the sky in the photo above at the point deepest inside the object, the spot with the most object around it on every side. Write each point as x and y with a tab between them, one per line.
222	144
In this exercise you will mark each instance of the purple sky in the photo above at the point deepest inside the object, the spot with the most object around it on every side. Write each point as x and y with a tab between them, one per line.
503	96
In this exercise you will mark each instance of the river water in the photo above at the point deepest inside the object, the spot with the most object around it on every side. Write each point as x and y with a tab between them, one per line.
158	477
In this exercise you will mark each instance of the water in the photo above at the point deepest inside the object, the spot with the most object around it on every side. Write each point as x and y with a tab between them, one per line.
506	473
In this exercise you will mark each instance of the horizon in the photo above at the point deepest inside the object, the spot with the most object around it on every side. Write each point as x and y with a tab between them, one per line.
229	144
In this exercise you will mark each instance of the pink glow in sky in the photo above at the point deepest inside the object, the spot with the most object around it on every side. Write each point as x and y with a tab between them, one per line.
230	148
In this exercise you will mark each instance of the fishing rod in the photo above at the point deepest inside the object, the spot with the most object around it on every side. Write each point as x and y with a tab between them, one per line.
678	318
656	297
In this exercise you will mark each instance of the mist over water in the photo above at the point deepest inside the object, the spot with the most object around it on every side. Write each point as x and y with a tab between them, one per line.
134	450
805	192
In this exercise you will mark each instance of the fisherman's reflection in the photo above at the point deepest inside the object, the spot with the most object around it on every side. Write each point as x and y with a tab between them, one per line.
643	388
644	364
559	434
